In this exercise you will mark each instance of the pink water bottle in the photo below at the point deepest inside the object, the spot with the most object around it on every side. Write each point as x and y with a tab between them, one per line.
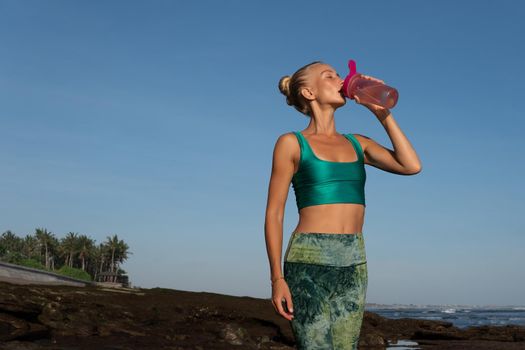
368	91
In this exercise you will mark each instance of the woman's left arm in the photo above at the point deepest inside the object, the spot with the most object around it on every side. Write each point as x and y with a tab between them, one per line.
403	159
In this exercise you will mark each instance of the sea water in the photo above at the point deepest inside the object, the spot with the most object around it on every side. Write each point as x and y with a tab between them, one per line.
460	316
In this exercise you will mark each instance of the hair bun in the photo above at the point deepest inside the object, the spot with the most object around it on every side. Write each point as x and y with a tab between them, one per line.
284	85
291	89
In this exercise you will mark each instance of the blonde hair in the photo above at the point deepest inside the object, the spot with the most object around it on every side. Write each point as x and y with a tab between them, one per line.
290	86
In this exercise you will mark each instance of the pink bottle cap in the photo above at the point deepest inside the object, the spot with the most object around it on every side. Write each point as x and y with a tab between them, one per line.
353	71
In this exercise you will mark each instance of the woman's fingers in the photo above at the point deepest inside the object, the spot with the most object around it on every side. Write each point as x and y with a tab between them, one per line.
287	314
281	311
278	305
289	304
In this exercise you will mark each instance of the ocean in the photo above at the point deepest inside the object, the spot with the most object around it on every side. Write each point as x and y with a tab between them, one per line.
460	316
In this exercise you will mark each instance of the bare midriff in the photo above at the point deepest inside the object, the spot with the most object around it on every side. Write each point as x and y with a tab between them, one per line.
334	218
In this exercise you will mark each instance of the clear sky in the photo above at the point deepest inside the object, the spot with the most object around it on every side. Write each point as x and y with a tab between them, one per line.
156	121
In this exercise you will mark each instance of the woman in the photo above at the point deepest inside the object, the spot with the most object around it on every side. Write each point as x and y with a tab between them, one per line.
325	272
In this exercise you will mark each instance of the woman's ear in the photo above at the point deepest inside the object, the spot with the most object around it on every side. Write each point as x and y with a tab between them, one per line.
308	93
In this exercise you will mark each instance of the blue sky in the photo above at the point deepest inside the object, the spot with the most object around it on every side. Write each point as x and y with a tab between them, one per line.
157	120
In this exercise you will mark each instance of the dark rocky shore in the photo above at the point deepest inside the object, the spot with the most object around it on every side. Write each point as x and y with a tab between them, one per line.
64	317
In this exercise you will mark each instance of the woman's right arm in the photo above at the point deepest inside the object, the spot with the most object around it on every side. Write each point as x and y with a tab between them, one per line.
281	176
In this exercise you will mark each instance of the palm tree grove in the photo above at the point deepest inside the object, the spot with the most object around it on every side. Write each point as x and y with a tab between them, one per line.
75	255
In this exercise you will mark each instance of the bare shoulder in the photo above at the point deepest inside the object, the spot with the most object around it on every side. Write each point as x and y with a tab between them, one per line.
363	140
287	147
288	137
287	143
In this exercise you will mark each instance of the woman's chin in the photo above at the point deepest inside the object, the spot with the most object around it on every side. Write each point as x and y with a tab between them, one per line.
341	103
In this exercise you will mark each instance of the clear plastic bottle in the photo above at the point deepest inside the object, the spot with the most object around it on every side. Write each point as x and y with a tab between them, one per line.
368	91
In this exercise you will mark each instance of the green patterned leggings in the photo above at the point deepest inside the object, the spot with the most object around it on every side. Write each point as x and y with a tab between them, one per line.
327	276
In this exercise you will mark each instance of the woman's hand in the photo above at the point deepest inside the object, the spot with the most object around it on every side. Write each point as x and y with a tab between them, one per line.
372	78
379	111
280	292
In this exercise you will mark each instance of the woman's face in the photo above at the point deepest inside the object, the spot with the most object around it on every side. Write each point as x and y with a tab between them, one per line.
327	85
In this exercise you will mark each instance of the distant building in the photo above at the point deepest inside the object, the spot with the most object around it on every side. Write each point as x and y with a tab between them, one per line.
113	277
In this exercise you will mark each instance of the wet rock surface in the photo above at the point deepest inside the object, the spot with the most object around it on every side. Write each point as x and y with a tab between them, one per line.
37	317
432	334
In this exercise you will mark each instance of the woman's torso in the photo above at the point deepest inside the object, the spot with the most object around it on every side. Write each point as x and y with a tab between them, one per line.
333	218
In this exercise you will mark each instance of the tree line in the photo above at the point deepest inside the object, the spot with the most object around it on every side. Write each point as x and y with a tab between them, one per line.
74	251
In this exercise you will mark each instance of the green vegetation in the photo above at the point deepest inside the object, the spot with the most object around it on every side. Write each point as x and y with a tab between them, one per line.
74	255
32	263
75	273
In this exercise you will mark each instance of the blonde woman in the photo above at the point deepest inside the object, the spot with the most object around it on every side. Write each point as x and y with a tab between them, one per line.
323	289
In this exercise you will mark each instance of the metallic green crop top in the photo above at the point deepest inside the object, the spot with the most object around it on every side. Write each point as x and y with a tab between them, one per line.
320	181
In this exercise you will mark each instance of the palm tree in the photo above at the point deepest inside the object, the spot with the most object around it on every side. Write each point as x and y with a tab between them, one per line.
113	246
85	248
30	246
54	245
123	251
49	242
119	252
68	247
11	247
10	243
43	245
100	254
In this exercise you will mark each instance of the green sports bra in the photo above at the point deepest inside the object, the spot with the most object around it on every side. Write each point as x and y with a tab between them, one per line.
320	181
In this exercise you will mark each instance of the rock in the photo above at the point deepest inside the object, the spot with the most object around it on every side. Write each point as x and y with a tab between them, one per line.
233	334
86	318
369	340
12	328
19	345
424	334
264	339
